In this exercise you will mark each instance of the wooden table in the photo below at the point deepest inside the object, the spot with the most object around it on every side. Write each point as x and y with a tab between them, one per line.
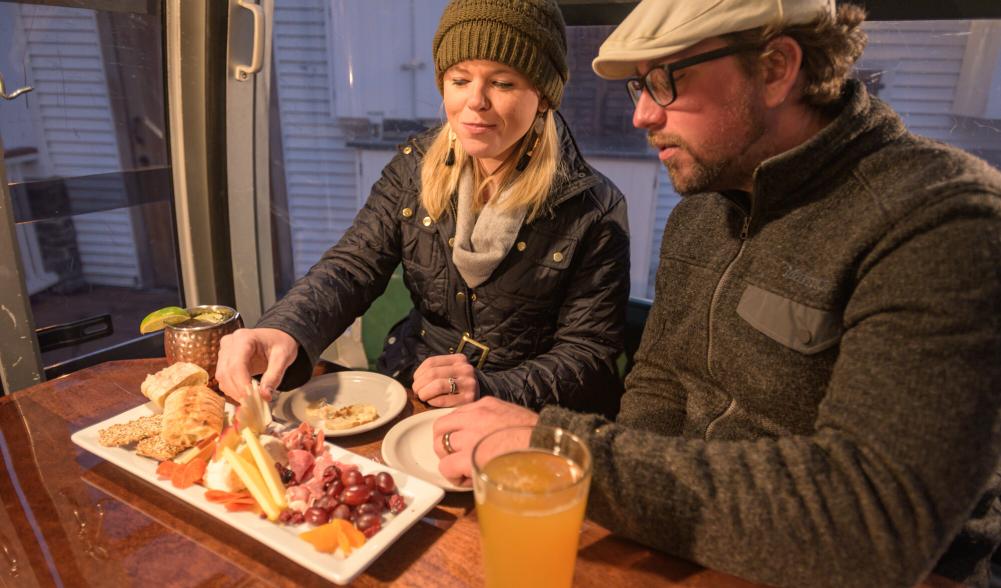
71	518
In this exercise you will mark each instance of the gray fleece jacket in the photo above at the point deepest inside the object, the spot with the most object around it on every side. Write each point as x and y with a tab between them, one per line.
816	397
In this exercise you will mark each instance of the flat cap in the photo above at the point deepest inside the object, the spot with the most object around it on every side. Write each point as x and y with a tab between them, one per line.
658	28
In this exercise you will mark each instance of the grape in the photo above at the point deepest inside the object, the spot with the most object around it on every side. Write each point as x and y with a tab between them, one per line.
385	483
370	481
352	478
369	508
325	502
367	520
317	516
378	499
357	494
341	511
370	531
297	518
330	473
334	489
396	504
285	516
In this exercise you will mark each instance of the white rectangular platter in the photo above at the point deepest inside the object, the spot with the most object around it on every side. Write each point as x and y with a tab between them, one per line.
420	497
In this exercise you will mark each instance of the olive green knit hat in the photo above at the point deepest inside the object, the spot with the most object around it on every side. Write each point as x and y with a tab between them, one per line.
527	35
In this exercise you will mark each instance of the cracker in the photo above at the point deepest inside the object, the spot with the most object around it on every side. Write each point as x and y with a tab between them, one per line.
130	432
157	448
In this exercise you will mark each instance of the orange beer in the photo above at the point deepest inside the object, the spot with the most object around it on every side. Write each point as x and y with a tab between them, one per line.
530	504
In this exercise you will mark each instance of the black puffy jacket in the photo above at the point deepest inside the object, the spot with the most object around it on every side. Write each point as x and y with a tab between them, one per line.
552	314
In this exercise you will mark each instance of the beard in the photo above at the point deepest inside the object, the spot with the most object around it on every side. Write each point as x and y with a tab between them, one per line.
721	163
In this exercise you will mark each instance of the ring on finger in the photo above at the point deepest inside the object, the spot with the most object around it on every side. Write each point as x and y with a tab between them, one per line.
446	442
452	387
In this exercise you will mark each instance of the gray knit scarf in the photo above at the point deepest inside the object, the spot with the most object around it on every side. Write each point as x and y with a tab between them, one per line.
482	241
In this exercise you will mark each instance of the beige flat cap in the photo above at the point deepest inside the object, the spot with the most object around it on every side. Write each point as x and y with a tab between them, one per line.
658	28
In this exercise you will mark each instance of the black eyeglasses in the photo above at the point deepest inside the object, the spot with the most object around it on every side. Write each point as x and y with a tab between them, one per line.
659	81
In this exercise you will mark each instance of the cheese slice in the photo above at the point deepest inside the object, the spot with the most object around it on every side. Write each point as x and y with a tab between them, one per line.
266	465
254	412
251	478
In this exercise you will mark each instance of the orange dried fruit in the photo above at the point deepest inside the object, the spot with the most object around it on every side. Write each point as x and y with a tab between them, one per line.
323	538
337	533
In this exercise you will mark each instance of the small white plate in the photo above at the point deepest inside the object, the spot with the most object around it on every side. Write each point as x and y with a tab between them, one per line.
341	389
408	446
419	495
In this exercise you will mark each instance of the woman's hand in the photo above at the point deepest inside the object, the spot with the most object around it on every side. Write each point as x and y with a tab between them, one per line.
248	352
465	426
446	380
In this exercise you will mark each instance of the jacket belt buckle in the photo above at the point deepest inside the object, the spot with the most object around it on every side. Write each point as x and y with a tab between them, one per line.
483	348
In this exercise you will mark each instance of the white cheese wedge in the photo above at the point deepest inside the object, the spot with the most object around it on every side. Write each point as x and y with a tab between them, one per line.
219	475
254	413
251	478
266	465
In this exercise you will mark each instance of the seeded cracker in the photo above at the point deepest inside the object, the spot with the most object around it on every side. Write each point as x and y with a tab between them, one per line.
158	449
130	432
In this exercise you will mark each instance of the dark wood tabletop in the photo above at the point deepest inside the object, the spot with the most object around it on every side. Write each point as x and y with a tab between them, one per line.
70	518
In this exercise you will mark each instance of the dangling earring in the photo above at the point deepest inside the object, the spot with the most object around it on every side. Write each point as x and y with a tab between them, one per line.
450	157
533	141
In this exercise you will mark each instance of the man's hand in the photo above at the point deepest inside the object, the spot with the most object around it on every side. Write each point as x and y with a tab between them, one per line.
446	380
468	424
249	352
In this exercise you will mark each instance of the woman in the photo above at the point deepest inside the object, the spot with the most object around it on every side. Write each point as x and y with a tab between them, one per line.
514	250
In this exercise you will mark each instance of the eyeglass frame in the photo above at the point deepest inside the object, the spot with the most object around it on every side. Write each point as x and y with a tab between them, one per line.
670	68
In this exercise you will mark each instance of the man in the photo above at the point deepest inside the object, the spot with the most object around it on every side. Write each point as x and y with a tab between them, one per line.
815	400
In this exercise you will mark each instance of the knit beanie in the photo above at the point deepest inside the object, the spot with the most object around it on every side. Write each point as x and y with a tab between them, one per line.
526	35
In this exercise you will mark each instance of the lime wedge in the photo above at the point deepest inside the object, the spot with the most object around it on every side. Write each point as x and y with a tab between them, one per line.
157	319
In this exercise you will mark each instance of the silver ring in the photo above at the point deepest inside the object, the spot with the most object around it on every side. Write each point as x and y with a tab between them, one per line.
452	388
446	442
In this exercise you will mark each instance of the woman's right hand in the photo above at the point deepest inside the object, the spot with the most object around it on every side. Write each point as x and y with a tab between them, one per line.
249	352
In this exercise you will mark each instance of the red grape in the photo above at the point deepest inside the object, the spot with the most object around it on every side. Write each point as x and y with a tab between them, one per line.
385	483
317	516
357	494
341	511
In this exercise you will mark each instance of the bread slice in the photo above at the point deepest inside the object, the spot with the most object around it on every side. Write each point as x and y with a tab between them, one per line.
157	387
191	414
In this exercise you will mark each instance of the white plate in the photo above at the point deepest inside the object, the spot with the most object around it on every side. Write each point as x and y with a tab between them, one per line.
341	389
419	495
408	446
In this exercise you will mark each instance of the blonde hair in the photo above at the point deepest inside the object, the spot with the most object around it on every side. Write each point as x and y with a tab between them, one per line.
528	188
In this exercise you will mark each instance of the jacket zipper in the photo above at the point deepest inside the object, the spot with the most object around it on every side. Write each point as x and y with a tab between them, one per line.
712	424
712	308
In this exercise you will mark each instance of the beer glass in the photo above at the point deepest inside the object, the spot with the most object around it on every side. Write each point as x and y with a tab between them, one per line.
531	486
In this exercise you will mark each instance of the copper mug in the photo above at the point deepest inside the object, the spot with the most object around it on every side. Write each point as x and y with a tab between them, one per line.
198	342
